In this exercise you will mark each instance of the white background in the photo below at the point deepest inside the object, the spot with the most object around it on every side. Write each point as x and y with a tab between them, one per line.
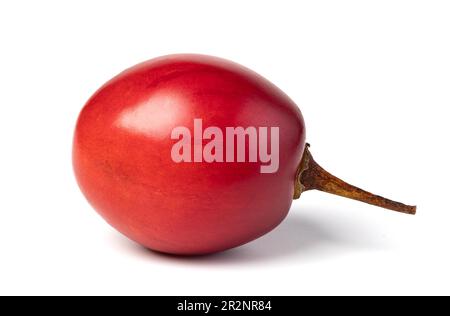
372	79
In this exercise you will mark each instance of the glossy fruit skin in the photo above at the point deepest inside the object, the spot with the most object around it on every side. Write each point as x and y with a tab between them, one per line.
123	165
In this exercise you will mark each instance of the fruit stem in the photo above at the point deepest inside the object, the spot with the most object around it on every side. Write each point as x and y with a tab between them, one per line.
311	176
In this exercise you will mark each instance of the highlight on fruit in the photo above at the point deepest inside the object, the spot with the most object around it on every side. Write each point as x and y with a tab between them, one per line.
193	154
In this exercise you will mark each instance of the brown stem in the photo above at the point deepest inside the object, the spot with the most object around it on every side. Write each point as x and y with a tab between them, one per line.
311	176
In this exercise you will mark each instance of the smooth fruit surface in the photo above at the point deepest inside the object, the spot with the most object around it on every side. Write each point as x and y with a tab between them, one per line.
122	155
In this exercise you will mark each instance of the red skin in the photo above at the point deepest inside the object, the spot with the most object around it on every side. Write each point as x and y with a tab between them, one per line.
122	161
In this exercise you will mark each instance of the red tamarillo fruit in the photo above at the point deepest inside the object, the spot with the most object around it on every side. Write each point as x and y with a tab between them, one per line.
191	154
